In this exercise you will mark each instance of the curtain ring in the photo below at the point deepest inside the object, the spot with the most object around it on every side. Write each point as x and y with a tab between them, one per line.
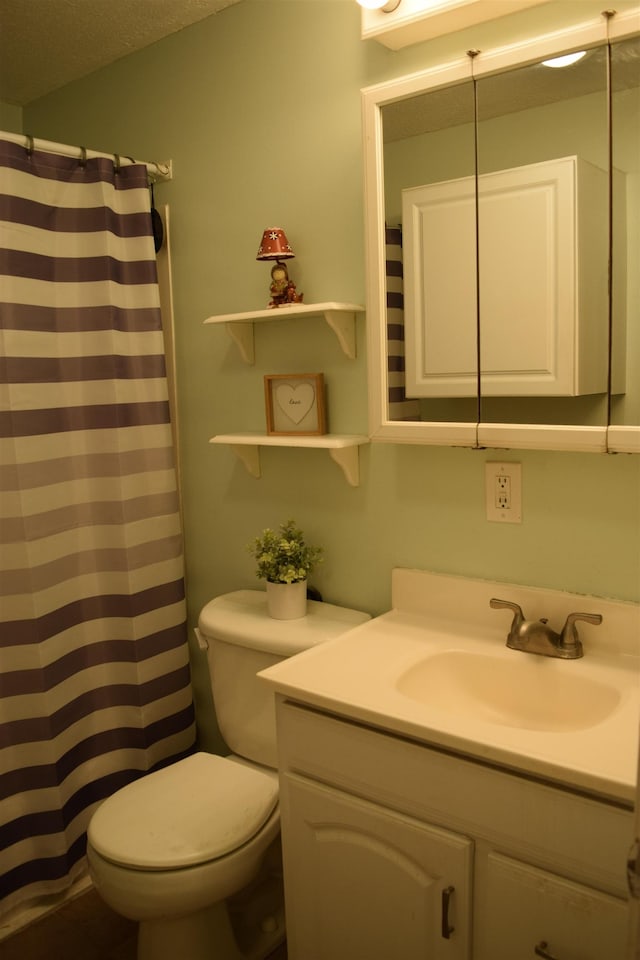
116	163
83	157
29	147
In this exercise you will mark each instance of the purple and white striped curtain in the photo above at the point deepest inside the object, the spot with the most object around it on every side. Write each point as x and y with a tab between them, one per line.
94	671
400	408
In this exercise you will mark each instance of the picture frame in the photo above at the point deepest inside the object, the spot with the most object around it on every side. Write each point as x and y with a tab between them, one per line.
295	404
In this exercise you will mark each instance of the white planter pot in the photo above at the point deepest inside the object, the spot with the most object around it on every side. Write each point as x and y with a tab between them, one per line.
287	601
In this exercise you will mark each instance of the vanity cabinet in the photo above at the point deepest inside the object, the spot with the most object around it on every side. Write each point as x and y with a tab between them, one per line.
393	848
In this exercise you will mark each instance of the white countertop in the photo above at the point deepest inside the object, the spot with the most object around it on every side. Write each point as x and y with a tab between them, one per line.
356	676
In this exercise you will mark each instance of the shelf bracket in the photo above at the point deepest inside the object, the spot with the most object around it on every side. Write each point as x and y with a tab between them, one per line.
250	457
242	335
343	324
348	459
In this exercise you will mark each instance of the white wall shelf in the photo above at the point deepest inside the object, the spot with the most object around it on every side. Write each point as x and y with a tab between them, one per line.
343	449
341	317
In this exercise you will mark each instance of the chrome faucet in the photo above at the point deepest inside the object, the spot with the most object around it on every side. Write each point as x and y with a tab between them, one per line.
534	636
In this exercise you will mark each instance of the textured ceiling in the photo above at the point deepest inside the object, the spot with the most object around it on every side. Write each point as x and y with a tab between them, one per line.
45	44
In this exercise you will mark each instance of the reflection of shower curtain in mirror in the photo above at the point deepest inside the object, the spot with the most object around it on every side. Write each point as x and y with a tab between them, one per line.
399	407
94	672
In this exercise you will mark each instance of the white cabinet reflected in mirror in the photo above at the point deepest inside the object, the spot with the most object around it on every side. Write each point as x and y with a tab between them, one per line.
490	182
557	141
542	290
429	185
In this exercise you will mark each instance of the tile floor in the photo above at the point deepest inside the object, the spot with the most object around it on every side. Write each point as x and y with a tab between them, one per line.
84	929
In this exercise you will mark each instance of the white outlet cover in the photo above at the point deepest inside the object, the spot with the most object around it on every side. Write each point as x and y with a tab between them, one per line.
493	471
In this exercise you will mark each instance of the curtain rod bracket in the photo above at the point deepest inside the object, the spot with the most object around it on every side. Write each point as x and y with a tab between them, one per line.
164	170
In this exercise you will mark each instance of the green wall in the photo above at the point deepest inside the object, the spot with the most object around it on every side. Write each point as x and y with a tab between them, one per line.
259	109
10	117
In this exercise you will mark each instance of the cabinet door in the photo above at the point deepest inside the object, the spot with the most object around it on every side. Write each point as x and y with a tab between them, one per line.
519	908
542	283
366	883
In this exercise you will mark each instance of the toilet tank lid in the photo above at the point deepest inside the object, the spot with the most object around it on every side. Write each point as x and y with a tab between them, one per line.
241	617
190	812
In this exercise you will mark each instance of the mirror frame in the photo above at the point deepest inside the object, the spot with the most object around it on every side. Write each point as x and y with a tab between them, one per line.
569	437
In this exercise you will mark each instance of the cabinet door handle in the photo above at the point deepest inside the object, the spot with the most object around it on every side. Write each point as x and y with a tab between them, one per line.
447	930
541	950
633	869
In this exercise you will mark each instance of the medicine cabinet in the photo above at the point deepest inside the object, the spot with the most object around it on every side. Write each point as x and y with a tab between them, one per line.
503	290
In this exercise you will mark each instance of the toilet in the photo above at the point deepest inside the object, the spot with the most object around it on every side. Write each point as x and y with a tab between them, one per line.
192	851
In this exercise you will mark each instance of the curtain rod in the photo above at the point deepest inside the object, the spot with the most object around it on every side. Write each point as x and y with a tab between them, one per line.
157	170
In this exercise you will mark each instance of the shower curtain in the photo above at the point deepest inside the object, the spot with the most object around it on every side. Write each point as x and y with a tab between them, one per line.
399	406
94	671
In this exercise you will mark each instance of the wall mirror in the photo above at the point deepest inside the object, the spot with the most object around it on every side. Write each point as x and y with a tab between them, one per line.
493	224
624	430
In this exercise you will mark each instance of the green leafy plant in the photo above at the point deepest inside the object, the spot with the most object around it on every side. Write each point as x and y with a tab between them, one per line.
284	557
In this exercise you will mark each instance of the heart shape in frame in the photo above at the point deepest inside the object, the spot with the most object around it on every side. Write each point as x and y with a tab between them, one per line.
295	402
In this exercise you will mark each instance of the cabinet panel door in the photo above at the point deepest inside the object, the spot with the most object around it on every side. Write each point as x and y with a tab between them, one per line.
519	907
365	882
542	283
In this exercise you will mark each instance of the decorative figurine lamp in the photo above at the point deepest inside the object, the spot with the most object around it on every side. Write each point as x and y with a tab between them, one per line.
275	246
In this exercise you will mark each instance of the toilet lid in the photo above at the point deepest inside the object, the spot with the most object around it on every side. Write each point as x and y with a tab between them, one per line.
193	811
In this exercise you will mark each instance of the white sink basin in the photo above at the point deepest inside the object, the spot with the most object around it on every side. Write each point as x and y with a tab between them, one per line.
529	692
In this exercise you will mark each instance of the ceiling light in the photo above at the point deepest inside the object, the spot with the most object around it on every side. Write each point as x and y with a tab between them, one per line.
564	61
386	6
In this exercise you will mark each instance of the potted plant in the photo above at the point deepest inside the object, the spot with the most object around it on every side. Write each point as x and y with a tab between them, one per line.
285	561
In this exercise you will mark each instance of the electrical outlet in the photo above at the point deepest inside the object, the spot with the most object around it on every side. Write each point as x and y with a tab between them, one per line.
503	490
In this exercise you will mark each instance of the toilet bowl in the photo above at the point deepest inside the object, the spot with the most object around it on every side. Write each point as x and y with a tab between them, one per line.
192	851
159	855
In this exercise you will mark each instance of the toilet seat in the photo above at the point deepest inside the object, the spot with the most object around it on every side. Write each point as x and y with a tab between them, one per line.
194	811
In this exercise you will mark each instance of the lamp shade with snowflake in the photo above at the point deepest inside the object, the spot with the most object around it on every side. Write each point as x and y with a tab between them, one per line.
274	246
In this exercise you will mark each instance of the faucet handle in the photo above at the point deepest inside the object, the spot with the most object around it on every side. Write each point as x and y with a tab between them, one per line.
518	616
570	631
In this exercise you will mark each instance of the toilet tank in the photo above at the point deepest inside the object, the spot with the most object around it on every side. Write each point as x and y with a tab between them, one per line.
241	639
